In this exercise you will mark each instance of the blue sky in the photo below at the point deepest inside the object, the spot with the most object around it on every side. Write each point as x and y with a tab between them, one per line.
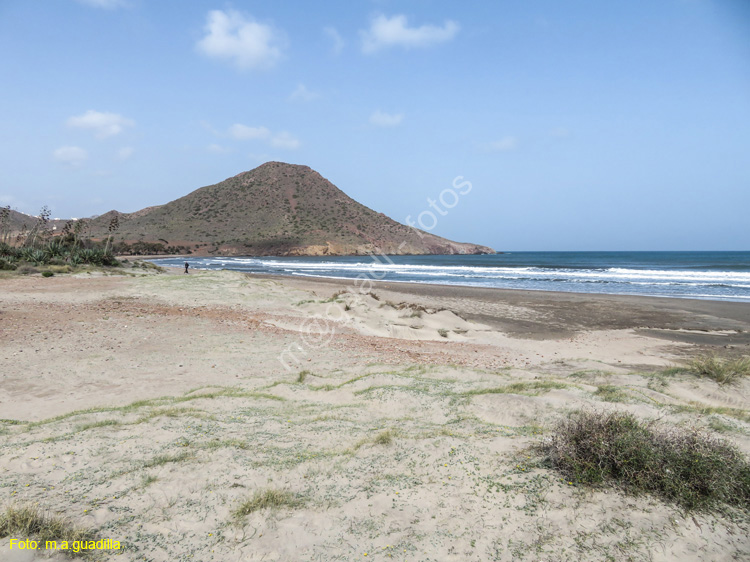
581	125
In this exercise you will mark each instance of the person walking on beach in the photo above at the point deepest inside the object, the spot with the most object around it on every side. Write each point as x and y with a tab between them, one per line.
187	265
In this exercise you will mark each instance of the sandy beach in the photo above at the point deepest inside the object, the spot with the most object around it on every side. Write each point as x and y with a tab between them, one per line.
401	419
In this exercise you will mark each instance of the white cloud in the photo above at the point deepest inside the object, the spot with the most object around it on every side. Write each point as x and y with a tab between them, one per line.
301	93
504	144
285	140
391	32
243	132
338	41
106	4
70	155
282	139
245	42
381	119
218	149
103	124
125	152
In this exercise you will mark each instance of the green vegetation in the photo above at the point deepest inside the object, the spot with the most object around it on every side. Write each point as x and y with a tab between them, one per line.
535	387
267	499
32	522
54	252
160	460
610	393
691	468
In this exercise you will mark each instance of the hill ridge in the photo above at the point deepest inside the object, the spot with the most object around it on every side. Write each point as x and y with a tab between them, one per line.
275	209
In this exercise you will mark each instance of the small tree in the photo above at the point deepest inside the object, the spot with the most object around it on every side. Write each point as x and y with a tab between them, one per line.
78	229
39	229
5	224
114	224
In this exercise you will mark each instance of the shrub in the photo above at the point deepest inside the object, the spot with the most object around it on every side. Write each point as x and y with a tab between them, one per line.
27	270
7	265
691	468
47	274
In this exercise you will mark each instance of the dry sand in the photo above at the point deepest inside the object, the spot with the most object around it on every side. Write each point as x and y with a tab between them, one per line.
149	407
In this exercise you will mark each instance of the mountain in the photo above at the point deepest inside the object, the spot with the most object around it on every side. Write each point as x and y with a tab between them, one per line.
17	222
275	209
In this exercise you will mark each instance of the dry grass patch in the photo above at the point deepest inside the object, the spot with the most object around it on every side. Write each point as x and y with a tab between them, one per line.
533	388
384	437
31	521
723	371
267	499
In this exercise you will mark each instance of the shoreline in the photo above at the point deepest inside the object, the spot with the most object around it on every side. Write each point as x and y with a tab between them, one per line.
740	299
565	312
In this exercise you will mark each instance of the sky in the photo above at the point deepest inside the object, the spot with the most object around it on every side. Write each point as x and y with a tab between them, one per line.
580	125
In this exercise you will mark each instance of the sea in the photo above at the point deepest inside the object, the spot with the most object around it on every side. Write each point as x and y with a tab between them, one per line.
696	275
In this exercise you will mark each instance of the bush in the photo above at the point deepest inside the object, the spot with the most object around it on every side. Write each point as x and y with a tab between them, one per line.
691	468
27	270
47	274
7	265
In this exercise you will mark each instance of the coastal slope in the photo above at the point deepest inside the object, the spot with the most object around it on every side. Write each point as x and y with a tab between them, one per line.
275	209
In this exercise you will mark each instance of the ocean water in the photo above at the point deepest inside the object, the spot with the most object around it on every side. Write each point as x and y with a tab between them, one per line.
700	275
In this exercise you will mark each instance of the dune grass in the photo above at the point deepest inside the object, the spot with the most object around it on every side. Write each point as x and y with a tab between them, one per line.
723	371
31	521
532	387
610	393
384	437
267	499
690	468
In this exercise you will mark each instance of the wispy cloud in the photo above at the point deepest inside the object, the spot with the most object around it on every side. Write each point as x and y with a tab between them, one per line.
504	144
218	149
285	140
102	124
387	32
281	139
382	119
338	41
241	40
70	155
125	153
243	132
106	4
301	93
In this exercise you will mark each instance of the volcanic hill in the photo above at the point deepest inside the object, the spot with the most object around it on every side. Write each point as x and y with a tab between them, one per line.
275	209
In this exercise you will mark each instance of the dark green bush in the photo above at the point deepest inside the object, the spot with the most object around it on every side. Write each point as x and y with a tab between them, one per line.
692	468
47	274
